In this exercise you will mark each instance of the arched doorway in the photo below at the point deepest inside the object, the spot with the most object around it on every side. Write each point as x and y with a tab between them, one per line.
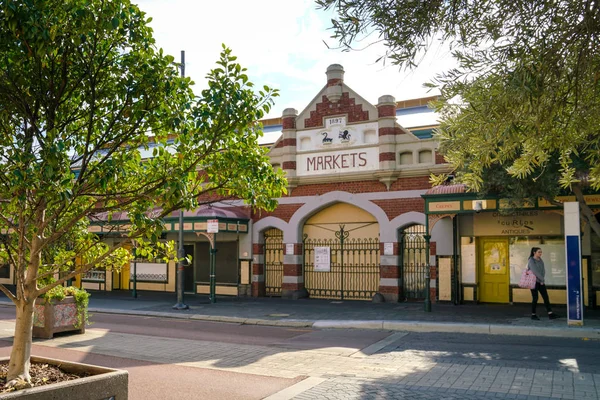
341	254
273	261
413	262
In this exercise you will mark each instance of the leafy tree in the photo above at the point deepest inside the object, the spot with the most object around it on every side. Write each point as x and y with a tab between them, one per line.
84	97
521	111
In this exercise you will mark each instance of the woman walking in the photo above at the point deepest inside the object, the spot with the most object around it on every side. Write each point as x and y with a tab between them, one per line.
536	265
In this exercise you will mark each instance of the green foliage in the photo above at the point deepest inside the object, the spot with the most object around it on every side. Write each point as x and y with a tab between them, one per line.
98	126
82	299
521	111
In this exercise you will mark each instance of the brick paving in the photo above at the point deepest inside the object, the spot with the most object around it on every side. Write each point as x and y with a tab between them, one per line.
384	370
391	373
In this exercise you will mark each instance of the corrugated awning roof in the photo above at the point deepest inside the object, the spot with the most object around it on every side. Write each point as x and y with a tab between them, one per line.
447	189
204	211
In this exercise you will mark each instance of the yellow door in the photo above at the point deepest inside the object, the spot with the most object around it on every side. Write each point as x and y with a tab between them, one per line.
493	270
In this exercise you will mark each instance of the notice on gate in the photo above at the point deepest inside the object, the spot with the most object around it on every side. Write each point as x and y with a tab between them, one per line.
322	259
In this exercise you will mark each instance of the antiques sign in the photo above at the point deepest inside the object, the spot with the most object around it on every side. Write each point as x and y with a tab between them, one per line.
520	223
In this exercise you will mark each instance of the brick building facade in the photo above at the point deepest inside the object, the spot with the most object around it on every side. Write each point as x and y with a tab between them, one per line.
342	149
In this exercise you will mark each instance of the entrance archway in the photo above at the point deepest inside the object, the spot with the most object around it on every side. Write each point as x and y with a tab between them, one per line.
413	262
273	261
341	254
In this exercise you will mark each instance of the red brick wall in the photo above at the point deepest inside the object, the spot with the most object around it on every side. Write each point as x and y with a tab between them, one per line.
388	289
283	211
289	123
389	271
395	207
258	248
345	105
390	131
416	183
288	142
392	208
289	165
350	187
386	111
387	157
439	159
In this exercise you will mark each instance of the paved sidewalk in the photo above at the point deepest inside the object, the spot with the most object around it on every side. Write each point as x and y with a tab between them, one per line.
467	318
383	370
386	371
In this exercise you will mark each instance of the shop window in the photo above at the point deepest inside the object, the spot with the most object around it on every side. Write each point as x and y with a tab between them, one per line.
425	156
5	271
406	158
553	255
467	259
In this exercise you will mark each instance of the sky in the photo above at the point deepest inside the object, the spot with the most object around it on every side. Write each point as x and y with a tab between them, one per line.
285	44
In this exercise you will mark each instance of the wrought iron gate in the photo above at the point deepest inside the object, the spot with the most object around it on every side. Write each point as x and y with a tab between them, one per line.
353	272
413	262
273	262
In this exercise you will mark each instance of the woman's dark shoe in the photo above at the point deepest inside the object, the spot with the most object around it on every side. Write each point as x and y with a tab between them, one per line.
535	317
553	316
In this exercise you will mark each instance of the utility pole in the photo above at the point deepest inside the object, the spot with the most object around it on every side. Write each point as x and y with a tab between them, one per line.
181	251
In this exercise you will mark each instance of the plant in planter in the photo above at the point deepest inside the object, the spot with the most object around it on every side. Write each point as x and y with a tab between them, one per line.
62	309
84	96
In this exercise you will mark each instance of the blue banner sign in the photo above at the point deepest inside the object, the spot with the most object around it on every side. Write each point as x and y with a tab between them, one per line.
574	287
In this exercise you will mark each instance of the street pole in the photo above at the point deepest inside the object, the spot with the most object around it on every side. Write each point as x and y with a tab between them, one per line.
213	281
181	251
135	278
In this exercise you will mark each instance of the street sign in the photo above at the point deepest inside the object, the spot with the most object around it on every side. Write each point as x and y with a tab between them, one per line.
573	258
212	226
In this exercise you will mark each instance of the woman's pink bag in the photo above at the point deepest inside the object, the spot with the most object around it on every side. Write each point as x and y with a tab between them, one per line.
527	280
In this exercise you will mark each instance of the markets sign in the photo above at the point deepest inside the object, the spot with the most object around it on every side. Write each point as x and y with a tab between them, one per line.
350	160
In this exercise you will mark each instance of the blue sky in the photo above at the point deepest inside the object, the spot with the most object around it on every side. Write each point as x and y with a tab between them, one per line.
281	43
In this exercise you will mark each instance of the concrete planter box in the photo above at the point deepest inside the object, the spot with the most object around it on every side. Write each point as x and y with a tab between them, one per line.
55	316
103	384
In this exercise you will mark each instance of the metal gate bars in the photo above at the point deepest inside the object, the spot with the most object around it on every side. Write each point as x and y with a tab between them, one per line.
352	272
273	262
413	267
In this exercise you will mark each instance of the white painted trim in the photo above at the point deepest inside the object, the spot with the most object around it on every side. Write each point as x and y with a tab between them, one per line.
293	279
293	259
388	282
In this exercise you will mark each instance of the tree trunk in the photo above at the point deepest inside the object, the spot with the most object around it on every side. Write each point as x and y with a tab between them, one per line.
18	369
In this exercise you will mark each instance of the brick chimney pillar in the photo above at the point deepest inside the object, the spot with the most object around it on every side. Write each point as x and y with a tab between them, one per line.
335	80
386	119
289	142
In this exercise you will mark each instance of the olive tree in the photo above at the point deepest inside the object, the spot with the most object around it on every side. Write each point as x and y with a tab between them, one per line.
95	120
520	113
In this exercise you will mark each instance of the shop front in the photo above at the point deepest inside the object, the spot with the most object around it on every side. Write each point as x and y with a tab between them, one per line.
230	247
493	244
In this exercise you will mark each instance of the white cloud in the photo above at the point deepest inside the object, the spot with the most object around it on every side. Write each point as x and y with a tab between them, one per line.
281	43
